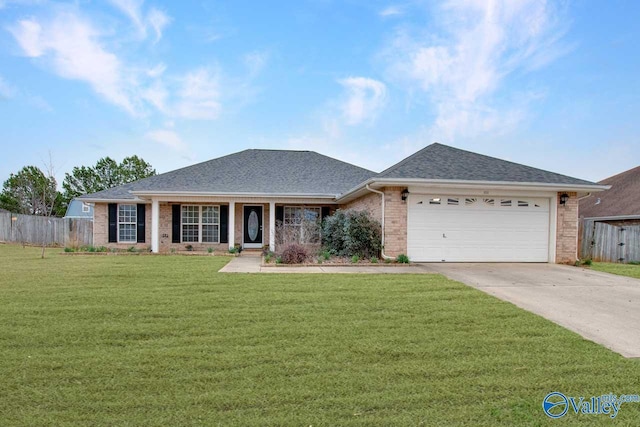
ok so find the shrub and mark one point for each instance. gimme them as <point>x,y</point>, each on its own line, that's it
<point>374,260</point>
<point>68,249</point>
<point>294,253</point>
<point>588,262</point>
<point>234,250</point>
<point>101,249</point>
<point>348,233</point>
<point>278,260</point>
<point>355,259</point>
<point>131,249</point>
<point>210,250</point>
<point>268,256</point>
<point>325,255</point>
<point>91,249</point>
<point>402,259</point>
<point>189,248</point>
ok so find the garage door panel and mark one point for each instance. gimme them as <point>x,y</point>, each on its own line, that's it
<point>502,229</point>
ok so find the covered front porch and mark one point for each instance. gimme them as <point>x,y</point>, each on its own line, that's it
<point>200,223</point>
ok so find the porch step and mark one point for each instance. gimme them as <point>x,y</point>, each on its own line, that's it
<point>251,252</point>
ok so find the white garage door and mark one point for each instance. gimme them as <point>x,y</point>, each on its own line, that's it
<point>477,229</point>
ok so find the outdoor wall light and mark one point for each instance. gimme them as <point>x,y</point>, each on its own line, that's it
<point>405,194</point>
<point>563,198</point>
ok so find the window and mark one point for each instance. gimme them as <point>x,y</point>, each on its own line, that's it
<point>200,224</point>
<point>127,216</point>
<point>85,207</point>
<point>434,201</point>
<point>523,204</point>
<point>452,202</point>
<point>469,201</point>
<point>302,223</point>
<point>505,202</point>
<point>489,202</point>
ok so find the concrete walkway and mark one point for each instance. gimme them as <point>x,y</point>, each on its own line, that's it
<point>252,264</point>
<point>601,307</point>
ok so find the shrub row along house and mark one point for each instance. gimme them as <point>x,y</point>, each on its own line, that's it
<point>439,204</point>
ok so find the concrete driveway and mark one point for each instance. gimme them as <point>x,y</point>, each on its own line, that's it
<point>601,307</point>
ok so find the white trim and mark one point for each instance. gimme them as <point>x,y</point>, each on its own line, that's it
<point>452,183</point>
<point>553,227</point>
<point>272,226</point>
<point>200,224</point>
<point>231,225</point>
<point>155,226</point>
<point>135,223</point>
<point>253,245</point>
<point>224,194</point>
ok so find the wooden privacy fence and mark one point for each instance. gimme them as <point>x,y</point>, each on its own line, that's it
<point>609,243</point>
<point>34,229</point>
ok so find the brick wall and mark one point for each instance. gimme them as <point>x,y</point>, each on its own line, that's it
<point>395,217</point>
<point>370,202</point>
<point>101,228</point>
<point>567,230</point>
<point>395,222</point>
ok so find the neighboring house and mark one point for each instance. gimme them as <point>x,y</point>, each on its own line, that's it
<point>619,205</point>
<point>440,204</point>
<point>79,209</point>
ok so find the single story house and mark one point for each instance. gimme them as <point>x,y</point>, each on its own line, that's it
<point>619,205</point>
<point>79,209</point>
<point>439,204</point>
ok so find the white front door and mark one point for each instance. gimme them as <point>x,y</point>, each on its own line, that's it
<point>444,228</point>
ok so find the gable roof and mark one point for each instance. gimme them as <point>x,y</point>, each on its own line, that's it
<point>282,172</point>
<point>441,162</point>
<point>622,199</point>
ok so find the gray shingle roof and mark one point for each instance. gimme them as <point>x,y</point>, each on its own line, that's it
<point>437,161</point>
<point>253,171</point>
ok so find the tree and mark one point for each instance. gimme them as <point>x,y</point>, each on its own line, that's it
<point>31,192</point>
<point>107,173</point>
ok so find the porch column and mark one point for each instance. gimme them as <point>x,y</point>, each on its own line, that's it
<point>232,224</point>
<point>272,226</point>
<point>155,226</point>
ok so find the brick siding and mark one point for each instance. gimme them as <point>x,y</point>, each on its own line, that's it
<point>567,230</point>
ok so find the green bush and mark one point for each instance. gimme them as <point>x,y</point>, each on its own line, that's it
<point>325,255</point>
<point>101,249</point>
<point>374,260</point>
<point>210,250</point>
<point>349,233</point>
<point>68,249</point>
<point>402,259</point>
<point>355,259</point>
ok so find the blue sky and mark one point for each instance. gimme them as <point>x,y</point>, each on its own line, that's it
<point>550,84</point>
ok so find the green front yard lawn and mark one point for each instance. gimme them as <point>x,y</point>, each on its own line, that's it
<point>168,341</point>
<point>630,270</point>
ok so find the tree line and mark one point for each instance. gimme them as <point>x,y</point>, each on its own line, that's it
<point>33,191</point>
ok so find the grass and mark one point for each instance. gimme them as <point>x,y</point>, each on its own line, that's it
<point>162,341</point>
<point>631,270</point>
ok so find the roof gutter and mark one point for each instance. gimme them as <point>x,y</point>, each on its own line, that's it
<point>231,194</point>
<point>381,219</point>
<point>469,183</point>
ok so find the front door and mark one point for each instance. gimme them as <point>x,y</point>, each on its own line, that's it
<point>252,235</point>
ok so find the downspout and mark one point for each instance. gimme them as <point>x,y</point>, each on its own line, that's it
<point>381,220</point>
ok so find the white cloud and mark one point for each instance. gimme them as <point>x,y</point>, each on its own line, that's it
<point>70,44</point>
<point>168,138</point>
<point>364,99</point>
<point>391,11</point>
<point>465,62</point>
<point>155,18</point>
<point>198,97</point>
<point>255,62</point>
<point>6,89</point>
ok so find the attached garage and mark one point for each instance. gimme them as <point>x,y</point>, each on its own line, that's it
<point>442,228</point>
